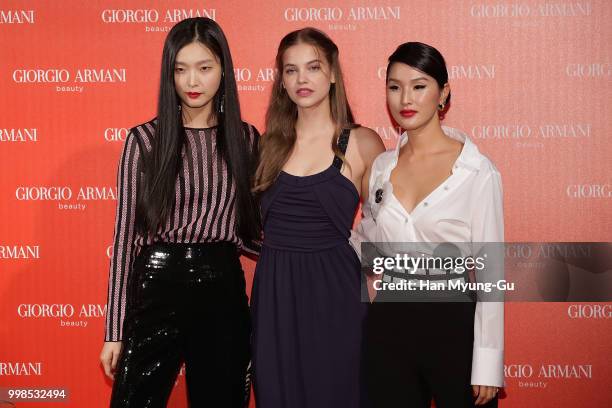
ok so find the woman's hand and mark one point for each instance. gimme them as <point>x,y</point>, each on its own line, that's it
<point>484,393</point>
<point>109,357</point>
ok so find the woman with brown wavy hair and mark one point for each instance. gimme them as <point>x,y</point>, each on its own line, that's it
<point>315,161</point>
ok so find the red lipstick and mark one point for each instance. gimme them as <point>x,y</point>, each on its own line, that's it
<point>407,113</point>
<point>194,95</point>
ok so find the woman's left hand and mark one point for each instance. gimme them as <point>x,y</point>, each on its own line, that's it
<point>484,393</point>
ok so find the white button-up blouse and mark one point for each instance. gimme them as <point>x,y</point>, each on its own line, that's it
<point>466,207</point>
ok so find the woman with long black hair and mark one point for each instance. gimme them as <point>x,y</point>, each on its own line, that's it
<point>176,288</point>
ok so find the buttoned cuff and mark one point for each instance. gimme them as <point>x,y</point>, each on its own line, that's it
<point>488,367</point>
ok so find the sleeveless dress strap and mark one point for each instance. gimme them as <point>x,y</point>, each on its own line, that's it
<point>342,144</point>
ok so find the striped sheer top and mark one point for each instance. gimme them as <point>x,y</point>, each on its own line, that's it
<point>204,209</point>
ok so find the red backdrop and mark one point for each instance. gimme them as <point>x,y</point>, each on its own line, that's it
<point>530,83</point>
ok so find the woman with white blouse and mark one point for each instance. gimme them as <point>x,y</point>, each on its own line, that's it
<point>435,186</point>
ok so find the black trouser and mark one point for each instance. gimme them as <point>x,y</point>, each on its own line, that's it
<point>186,302</point>
<point>416,352</point>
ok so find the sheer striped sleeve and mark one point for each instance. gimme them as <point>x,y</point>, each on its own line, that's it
<point>124,247</point>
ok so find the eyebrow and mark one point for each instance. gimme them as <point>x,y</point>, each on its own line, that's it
<point>412,80</point>
<point>309,62</point>
<point>196,63</point>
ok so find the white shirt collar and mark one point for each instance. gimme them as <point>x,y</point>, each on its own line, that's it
<point>469,158</point>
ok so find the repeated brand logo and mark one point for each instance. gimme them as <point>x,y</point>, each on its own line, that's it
<point>68,314</point>
<point>544,9</point>
<point>19,252</point>
<point>388,132</point>
<point>64,195</point>
<point>342,18</point>
<point>20,368</point>
<point>480,71</point>
<point>116,134</point>
<point>154,20</point>
<point>603,190</point>
<point>19,135</point>
<point>524,135</point>
<point>564,130</point>
<point>458,72</point>
<point>510,131</point>
<point>540,376</point>
<point>313,14</point>
<point>589,311</point>
<point>581,371</point>
<point>51,193</point>
<point>546,250</point>
<point>17,16</point>
<point>249,80</point>
<point>66,80</point>
<point>590,70</point>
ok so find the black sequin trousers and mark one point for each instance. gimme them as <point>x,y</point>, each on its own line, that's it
<point>186,303</point>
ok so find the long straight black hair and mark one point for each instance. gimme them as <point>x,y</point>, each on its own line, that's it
<point>163,162</point>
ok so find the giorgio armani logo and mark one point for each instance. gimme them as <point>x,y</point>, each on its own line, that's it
<point>15,368</point>
<point>564,130</point>
<point>47,193</point>
<point>342,18</point>
<point>578,371</point>
<point>66,197</point>
<point>590,70</point>
<point>522,131</point>
<point>17,16</point>
<point>511,131</point>
<point>548,371</point>
<point>525,135</point>
<point>116,134</point>
<point>68,314</point>
<point>45,310</point>
<point>19,135</point>
<point>458,72</point>
<point>543,9</point>
<point>248,79</point>
<point>313,14</point>
<point>589,311</point>
<point>476,71</point>
<point>83,75</point>
<point>603,190</point>
<point>387,132</point>
<point>130,16</point>
<point>19,252</point>
<point>530,376</point>
<point>66,80</point>
<point>155,20</point>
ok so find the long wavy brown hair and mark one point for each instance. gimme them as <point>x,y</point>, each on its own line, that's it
<point>277,142</point>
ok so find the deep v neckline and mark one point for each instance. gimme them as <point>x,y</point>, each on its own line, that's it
<point>422,201</point>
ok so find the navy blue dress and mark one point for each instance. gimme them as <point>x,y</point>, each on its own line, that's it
<point>306,307</point>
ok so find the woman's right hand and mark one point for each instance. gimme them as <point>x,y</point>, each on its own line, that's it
<point>109,357</point>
